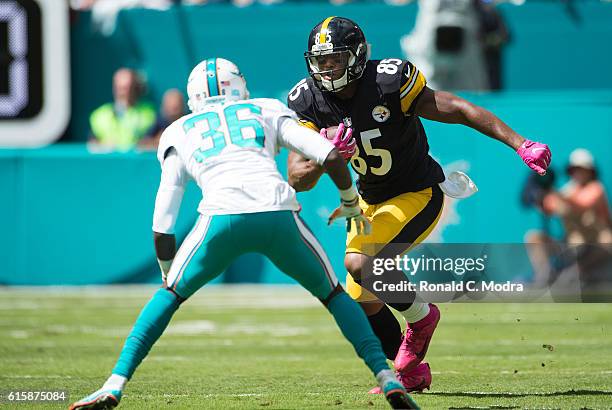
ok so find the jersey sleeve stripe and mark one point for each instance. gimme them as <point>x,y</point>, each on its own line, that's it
<point>413,78</point>
<point>412,71</point>
<point>415,90</point>
<point>309,124</point>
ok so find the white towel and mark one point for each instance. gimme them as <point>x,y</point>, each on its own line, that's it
<point>458,185</point>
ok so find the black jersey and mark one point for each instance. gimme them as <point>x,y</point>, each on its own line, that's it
<point>393,153</point>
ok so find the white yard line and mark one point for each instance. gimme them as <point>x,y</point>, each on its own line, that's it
<point>260,296</point>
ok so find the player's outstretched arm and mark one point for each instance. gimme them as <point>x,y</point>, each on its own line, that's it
<point>446,107</point>
<point>325,156</point>
<point>335,166</point>
<point>311,156</point>
<point>303,174</point>
<point>303,171</point>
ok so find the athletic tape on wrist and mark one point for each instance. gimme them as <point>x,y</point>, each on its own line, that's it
<point>349,195</point>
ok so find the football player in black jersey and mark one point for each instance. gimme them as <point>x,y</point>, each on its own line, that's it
<point>382,101</point>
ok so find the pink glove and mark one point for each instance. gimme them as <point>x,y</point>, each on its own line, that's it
<point>343,140</point>
<point>536,155</point>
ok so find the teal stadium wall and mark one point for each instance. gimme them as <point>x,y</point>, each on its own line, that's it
<point>72,217</point>
<point>551,48</point>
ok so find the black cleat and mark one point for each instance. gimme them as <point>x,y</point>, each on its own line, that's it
<point>401,400</point>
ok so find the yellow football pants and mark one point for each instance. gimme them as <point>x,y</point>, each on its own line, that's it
<point>406,219</point>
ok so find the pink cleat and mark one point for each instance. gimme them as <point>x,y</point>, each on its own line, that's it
<point>415,380</point>
<point>416,341</point>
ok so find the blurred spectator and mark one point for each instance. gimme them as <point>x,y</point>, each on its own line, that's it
<point>81,4</point>
<point>398,2</point>
<point>172,108</point>
<point>583,207</point>
<point>535,189</point>
<point>582,203</point>
<point>104,12</point>
<point>121,124</point>
<point>494,36</point>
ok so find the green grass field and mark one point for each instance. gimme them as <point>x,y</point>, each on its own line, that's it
<point>275,347</point>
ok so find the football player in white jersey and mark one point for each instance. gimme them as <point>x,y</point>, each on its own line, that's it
<point>227,145</point>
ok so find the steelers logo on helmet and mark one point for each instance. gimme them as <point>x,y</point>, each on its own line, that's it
<point>337,53</point>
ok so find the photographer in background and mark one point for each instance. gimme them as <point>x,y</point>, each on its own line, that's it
<point>494,36</point>
<point>584,210</point>
<point>535,189</point>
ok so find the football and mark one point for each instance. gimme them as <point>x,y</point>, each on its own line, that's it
<point>331,132</point>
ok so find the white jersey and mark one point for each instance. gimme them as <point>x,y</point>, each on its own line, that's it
<point>229,149</point>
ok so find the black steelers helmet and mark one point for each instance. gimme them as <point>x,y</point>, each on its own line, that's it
<point>337,49</point>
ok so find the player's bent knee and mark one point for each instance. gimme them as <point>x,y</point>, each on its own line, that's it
<point>371,307</point>
<point>178,297</point>
<point>354,262</point>
<point>357,292</point>
<point>335,292</point>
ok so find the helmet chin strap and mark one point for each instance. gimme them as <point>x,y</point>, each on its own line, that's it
<point>336,85</point>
